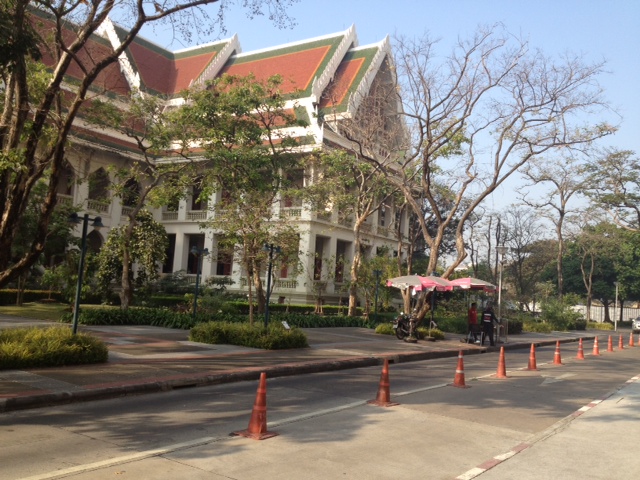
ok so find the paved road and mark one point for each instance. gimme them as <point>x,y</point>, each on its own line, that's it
<point>557,422</point>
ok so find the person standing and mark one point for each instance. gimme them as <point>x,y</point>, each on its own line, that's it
<point>488,319</point>
<point>473,321</point>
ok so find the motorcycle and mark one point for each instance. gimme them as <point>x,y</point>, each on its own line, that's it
<point>404,325</point>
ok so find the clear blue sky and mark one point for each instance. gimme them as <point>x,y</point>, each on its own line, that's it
<point>599,29</point>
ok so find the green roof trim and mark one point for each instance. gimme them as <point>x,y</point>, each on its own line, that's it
<point>368,55</point>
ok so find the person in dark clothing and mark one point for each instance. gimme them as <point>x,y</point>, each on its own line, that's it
<point>488,319</point>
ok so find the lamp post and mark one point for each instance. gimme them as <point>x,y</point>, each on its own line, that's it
<point>271,248</point>
<point>377,273</point>
<point>501,250</point>
<point>615,309</point>
<point>199,253</point>
<point>96,224</point>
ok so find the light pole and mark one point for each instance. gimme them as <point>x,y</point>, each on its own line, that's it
<point>271,248</point>
<point>97,225</point>
<point>615,309</point>
<point>377,273</point>
<point>501,250</point>
<point>199,253</point>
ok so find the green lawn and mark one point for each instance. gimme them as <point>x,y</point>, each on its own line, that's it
<point>39,311</point>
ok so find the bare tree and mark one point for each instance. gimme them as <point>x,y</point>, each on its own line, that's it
<point>476,116</point>
<point>40,107</point>
<point>615,186</point>
<point>567,177</point>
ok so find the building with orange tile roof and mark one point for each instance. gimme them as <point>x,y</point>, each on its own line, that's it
<point>325,80</point>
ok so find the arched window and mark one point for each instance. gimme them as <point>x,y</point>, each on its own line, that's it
<point>130,193</point>
<point>66,182</point>
<point>99,185</point>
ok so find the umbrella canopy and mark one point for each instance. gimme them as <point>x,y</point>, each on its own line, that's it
<point>471,283</point>
<point>420,283</point>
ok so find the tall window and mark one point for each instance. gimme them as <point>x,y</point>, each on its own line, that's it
<point>167,267</point>
<point>193,261</point>
<point>224,263</point>
<point>99,185</point>
<point>196,202</point>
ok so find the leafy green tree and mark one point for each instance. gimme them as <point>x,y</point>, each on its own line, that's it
<point>355,189</point>
<point>143,181</point>
<point>242,126</point>
<point>39,107</point>
<point>146,245</point>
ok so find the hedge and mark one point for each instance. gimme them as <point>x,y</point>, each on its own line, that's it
<point>9,296</point>
<point>171,319</point>
<point>48,347</point>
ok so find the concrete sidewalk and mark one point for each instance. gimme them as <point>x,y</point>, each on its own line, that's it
<point>145,359</point>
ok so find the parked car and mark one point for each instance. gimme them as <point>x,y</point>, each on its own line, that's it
<point>635,325</point>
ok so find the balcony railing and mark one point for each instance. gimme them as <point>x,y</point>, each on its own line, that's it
<point>291,212</point>
<point>65,199</point>
<point>323,215</point>
<point>99,206</point>
<point>197,215</point>
<point>169,216</point>
<point>280,284</point>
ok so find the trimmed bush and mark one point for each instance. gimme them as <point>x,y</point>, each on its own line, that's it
<point>600,326</point>
<point>423,332</point>
<point>453,324</point>
<point>276,337</point>
<point>48,347</point>
<point>385,329</point>
<point>537,327</point>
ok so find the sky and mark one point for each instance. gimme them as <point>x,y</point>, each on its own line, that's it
<point>598,29</point>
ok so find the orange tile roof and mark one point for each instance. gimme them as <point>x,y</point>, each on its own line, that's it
<point>344,78</point>
<point>162,72</point>
<point>296,68</point>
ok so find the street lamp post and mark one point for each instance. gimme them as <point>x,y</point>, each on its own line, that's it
<point>199,253</point>
<point>615,309</point>
<point>96,224</point>
<point>377,273</point>
<point>501,250</point>
<point>271,248</point>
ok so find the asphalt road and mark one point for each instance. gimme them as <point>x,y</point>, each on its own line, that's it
<point>327,431</point>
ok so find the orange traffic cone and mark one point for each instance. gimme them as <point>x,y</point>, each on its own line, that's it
<point>596,349</point>
<point>502,368</point>
<point>610,344</point>
<point>631,344</point>
<point>580,355</point>
<point>458,380</point>
<point>384,395</point>
<point>258,422</point>
<point>532,358</point>
<point>620,344</point>
<point>557,360</point>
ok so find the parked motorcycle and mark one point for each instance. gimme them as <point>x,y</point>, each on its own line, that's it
<point>404,325</point>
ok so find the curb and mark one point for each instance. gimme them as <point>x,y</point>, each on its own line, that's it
<point>246,374</point>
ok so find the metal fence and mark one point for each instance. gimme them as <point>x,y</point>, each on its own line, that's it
<point>597,313</point>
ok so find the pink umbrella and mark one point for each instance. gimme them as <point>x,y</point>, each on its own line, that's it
<point>470,283</point>
<point>420,283</point>
<point>437,283</point>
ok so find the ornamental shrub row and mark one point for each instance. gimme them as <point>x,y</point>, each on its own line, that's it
<point>48,347</point>
<point>600,326</point>
<point>9,296</point>
<point>276,337</point>
<point>171,319</point>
